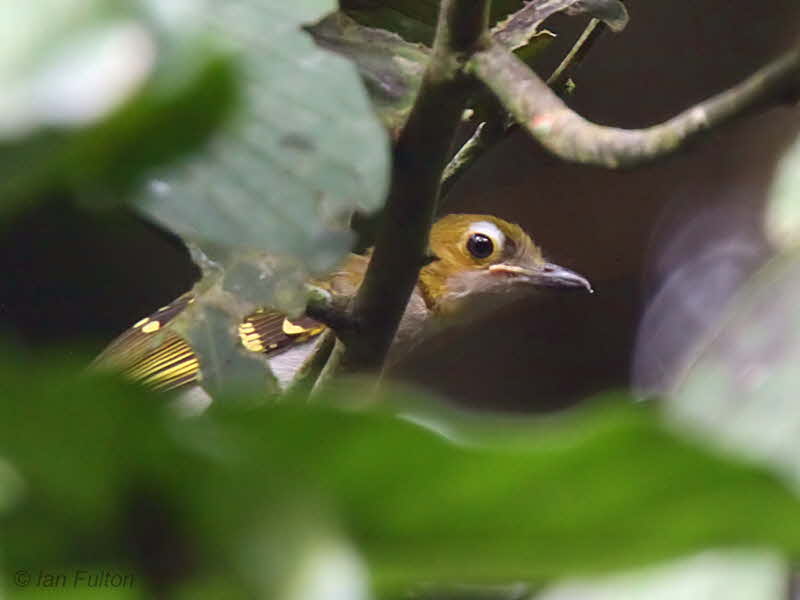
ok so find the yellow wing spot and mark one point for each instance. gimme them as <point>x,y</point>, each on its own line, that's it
<point>151,327</point>
<point>164,378</point>
<point>141,322</point>
<point>290,328</point>
<point>273,346</point>
<point>250,338</point>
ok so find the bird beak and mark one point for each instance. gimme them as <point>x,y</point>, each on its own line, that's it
<point>547,275</point>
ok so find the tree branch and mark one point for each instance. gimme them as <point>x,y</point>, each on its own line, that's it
<point>495,128</point>
<point>569,136</point>
<point>420,156</point>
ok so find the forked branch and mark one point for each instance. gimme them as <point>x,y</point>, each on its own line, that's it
<point>570,137</point>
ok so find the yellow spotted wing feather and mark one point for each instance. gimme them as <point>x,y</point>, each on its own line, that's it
<point>149,352</point>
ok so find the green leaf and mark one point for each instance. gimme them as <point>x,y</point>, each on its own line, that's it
<point>303,151</point>
<point>233,490</point>
<point>97,92</point>
<point>783,213</point>
<point>742,388</point>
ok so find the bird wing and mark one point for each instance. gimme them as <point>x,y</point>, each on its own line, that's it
<point>161,359</point>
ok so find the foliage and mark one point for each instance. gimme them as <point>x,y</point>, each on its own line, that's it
<point>227,124</point>
<point>91,462</point>
<point>97,92</point>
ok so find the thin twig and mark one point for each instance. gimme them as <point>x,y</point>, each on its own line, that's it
<point>496,127</point>
<point>570,137</point>
<point>563,73</point>
<point>485,136</point>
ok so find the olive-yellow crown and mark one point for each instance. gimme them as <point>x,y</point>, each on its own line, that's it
<point>482,254</point>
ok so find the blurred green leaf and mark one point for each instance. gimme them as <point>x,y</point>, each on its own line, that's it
<point>390,67</point>
<point>742,386</point>
<point>783,213</point>
<point>110,475</point>
<point>302,153</point>
<point>96,92</point>
<point>68,63</point>
<point>743,575</point>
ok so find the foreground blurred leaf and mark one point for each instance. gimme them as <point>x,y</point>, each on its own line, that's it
<point>743,385</point>
<point>708,576</point>
<point>96,92</point>
<point>221,300</point>
<point>302,153</point>
<point>108,472</point>
<point>783,214</point>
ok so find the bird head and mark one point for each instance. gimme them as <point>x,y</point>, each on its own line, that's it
<point>483,256</point>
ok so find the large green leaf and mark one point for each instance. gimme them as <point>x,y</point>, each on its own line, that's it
<point>232,492</point>
<point>303,151</point>
<point>96,92</point>
<point>783,211</point>
<point>742,386</point>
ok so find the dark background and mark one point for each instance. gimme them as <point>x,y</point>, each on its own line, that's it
<point>669,241</point>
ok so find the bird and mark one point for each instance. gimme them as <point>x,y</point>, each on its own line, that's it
<point>476,263</point>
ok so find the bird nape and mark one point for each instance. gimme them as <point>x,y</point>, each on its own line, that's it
<point>478,261</point>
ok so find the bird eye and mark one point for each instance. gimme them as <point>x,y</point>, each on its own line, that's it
<point>479,245</point>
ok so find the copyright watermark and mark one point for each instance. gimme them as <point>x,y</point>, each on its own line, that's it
<point>79,578</point>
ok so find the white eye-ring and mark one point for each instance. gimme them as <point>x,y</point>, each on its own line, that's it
<point>483,238</point>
